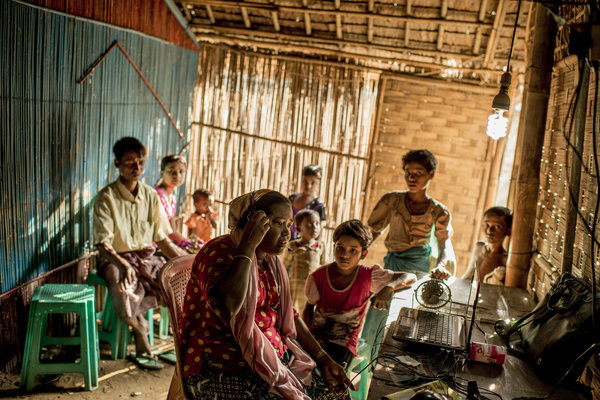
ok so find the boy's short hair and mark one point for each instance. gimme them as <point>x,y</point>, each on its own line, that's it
<point>312,170</point>
<point>356,229</point>
<point>201,192</point>
<point>423,157</point>
<point>166,160</point>
<point>501,212</point>
<point>304,214</point>
<point>126,144</point>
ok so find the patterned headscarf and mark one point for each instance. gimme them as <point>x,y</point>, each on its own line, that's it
<point>239,206</point>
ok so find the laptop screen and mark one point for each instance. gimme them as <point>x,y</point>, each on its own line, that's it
<point>474,281</point>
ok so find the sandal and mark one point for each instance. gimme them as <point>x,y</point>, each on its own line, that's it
<point>146,361</point>
<point>168,356</point>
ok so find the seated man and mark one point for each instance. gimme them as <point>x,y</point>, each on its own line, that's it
<point>128,217</point>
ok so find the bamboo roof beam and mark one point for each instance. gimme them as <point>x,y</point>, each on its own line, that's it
<point>482,10</point>
<point>275,19</point>
<point>440,38</point>
<point>203,28</point>
<point>343,13</point>
<point>370,8</point>
<point>409,7</point>
<point>186,12</point>
<point>307,24</point>
<point>477,42</point>
<point>333,53</point>
<point>244,11</point>
<point>338,21</point>
<point>444,9</point>
<point>407,34</point>
<point>211,16</point>
<point>493,38</point>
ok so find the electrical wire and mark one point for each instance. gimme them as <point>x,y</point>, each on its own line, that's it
<point>595,220</point>
<point>512,42</point>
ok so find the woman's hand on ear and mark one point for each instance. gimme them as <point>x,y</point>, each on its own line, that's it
<point>255,230</point>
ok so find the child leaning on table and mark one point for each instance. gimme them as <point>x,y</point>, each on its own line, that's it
<point>489,254</point>
<point>303,255</point>
<point>338,294</point>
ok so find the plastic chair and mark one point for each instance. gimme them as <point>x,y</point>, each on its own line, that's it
<point>61,299</point>
<point>173,279</point>
<point>114,330</point>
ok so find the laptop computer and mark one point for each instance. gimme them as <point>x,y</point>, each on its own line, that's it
<point>440,329</point>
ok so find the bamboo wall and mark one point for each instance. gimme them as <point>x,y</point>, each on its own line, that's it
<point>556,191</point>
<point>449,119</point>
<point>261,119</point>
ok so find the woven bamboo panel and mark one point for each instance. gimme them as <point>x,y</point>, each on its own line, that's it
<point>588,194</point>
<point>261,119</point>
<point>553,198</point>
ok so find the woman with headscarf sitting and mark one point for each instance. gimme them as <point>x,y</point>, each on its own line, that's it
<point>240,336</point>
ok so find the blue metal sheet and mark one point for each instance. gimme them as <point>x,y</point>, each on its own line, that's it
<point>56,136</point>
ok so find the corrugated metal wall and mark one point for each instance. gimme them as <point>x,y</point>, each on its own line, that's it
<point>56,136</point>
<point>149,16</point>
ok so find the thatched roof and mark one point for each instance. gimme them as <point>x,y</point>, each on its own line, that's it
<point>468,39</point>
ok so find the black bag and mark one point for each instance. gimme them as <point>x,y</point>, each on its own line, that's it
<point>556,332</point>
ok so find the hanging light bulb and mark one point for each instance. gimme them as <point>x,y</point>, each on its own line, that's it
<point>497,122</point>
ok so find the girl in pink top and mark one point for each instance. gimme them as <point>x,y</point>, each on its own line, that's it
<point>172,175</point>
<point>338,294</point>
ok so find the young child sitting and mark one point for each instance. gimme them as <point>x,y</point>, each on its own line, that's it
<point>307,198</point>
<point>203,220</point>
<point>304,255</point>
<point>338,294</point>
<point>489,254</point>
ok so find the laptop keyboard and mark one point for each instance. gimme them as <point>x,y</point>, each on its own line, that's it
<point>435,328</point>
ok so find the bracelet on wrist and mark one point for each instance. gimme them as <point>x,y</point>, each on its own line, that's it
<point>243,256</point>
<point>320,355</point>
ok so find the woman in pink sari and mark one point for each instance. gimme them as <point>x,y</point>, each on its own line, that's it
<point>240,336</point>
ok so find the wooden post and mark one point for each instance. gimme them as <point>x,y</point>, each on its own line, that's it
<point>531,128</point>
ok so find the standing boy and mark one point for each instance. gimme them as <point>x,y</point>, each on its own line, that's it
<point>128,217</point>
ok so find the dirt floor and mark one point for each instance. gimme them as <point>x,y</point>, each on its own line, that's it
<point>118,379</point>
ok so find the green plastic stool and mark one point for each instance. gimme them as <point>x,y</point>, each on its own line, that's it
<point>359,364</point>
<point>61,299</point>
<point>114,330</point>
<point>163,327</point>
